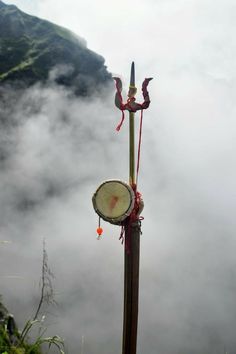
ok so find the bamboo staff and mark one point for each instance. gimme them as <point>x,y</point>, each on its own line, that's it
<point>131,259</point>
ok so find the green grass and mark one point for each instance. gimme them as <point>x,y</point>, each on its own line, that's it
<point>6,347</point>
<point>18,343</point>
<point>19,67</point>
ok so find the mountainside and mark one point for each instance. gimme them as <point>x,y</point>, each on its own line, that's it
<point>32,48</point>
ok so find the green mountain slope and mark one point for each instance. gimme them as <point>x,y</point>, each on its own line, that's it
<point>31,47</point>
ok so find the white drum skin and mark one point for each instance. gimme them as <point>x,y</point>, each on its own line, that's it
<point>114,201</point>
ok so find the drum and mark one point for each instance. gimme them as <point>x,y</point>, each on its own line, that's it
<point>113,201</point>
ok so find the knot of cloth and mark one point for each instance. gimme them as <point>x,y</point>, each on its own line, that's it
<point>131,105</point>
<point>133,220</point>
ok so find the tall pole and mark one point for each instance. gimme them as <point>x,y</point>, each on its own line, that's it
<point>132,91</point>
<point>131,258</point>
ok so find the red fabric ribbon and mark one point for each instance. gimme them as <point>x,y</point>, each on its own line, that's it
<point>130,105</point>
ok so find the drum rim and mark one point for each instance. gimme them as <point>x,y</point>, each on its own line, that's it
<point>119,219</point>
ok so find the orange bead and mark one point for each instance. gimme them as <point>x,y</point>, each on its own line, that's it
<point>99,231</point>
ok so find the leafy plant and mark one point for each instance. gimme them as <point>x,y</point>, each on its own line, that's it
<point>16,342</point>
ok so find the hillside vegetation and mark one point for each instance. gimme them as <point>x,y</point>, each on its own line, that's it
<point>30,48</point>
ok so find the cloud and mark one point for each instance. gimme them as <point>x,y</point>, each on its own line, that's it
<point>58,149</point>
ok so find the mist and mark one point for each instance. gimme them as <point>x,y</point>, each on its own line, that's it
<point>56,149</point>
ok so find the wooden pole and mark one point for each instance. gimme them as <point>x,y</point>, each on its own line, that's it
<point>131,258</point>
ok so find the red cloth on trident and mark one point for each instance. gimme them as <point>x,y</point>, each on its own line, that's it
<point>130,105</point>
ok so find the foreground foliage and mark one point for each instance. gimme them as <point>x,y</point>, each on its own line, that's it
<point>12,341</point>
<point>22,347</point>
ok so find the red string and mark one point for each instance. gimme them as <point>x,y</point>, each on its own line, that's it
<point>121,122</point>
<point>139,145</point>
<point>125,234</point>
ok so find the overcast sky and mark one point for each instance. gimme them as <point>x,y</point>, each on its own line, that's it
<point>158,34</point>
<point>188,173</point>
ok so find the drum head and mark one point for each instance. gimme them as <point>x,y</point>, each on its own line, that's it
<point>114,201</point>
